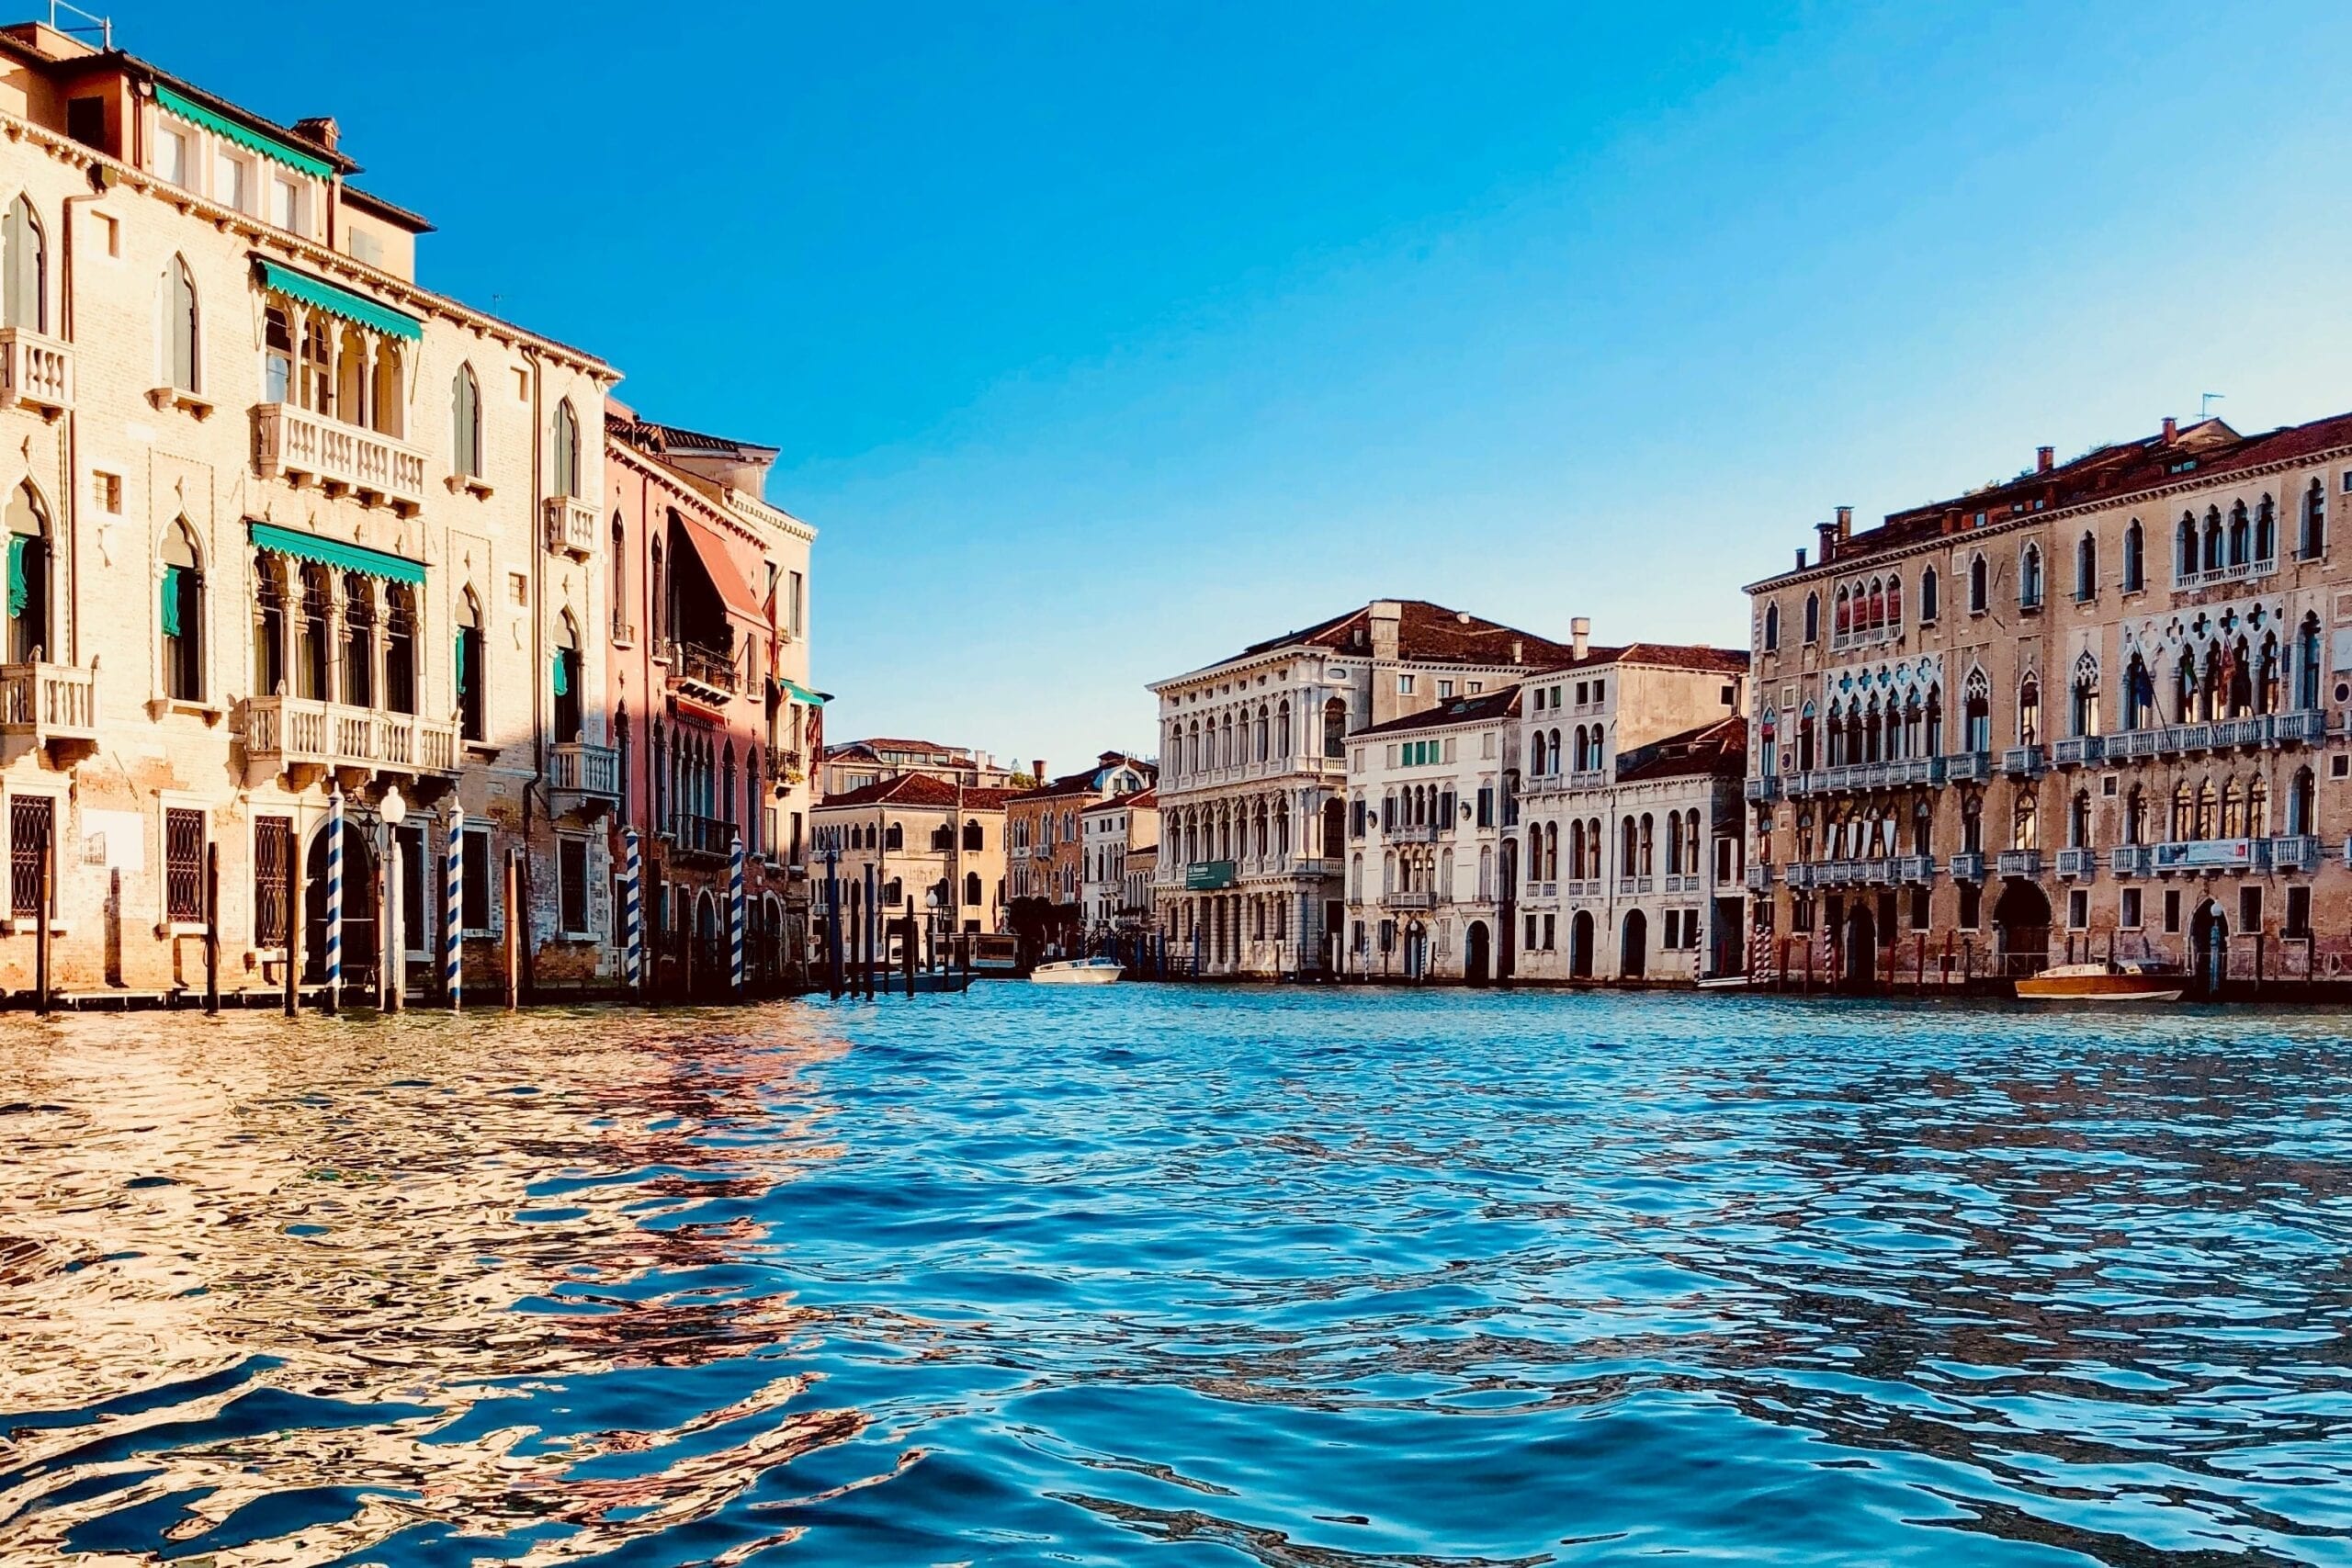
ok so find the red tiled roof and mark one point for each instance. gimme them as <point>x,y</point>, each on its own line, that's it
<point>1662,655</point>
<point>919,789</point>
<point>959,753</point>
<point>1118,802</point>
<point>1428,634</point>
<point>1719,748</point>
<point>1459,710</point>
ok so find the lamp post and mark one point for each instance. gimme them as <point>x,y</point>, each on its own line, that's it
<point>393,945</point>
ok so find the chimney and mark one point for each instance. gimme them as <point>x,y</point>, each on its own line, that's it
<point>1518,651</point>
<point>2044,459</point>
<point>1384,614</point>
<point>1038,769</point>
<point>1579,636</point>
<point>1800,558</point>
<point>2172,430</point>
<point>1845,523</point>
<point>320,129</point>
<point>1828,532</point>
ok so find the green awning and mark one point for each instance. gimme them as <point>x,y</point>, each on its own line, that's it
<point>794,689</point>
<point>333,552</point>
<point>341,302</point>
<point>221,125</point>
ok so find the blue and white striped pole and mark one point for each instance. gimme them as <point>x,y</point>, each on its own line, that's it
<point>334,902</point>
<point>632,911</point>
<point>453,915</point>
<point>735,916</point>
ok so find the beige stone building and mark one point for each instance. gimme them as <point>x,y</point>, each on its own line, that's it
<point>854,764</point>
<point>2096,708</point>
<point>1253,788</point>
<point>283,523</point>
<point>937,844</point>
<point>1116,837</point>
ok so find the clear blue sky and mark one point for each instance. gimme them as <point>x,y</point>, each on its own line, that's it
<point>1103,339</point>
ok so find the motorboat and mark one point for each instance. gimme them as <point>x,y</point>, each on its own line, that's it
<point>2115,981</point>
<point>1078,971</point>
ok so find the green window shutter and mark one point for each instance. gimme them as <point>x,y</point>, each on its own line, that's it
<point>170,607</point>
<point>19,591</point>
<point>460,665</point>
<point>562,676</point>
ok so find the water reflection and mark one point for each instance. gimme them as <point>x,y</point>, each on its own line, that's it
<point>1194,1275</point>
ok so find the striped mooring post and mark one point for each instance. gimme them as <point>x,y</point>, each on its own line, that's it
<point>632,912</point>
<point>735,916</point>
<point>334,902</point>
<point>453,915</point>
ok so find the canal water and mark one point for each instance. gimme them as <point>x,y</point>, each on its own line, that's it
<point>1184,1276</point>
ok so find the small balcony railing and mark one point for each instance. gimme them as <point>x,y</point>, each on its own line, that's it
<point>2023,762</point>
<point>339,457</point>
<point>1968,866</point>
<point>2075,751</point>
<point>1968,767</point>
<point>1589,778</point>
<point>1410,833</point>
<point>1759,878</point>
<point>2305,726</point>
<point>693,834</point>
<point>584,769</point>
<point>1764,788</point>
<point>2130,860</point>
<point>784,765</point>
<point>1421,899</point>
<point>572,526</point>
<point>2019,862</point>
<point>49,702</point>
<point>2078,864</point>
<point>2248,732</point>
<point>704,671</point>
<point>36,372</point>
<point>285,731</point>
<point>2295,852</point>
<point>1915,868</point>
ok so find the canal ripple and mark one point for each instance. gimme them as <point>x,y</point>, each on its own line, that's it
<point>1179,1276</point>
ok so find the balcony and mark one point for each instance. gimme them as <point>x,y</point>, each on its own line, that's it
<point>2078,865</point>
<point>1411,833</point>
<point>2308,726</point>
<point>1968,866</point>
<point>1759,878</point>
<point>2130,860</point>
<point>36,372</point>
<point>2075,751</point>
<point>1589,778</point>
<point>704,674</point>
<point>706,836</point>
<point>588,773</point>
<point>2212,854</point>
<point>340,458</point>
<point>1764,788</point>
<point>2023,762</point>
<point>2019,862</point>
<point>2295,852</point>
<point>1421,899</point>
<point>784,766</point>
<point>284,732</point>
<point>1915,868</point>
<point>571,528</point>
<point>1629,886</point>
<point>1968,767</point>
<point>2248,732</point>
<point>53,704</point>
<point>2212,575</point>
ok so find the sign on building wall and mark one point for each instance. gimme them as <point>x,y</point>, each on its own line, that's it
<point>1203,877</point>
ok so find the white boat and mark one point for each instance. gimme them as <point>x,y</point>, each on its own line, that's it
<point>1078,971</point>
<point>2118,982</point>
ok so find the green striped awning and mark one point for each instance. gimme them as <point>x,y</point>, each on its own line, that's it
<point>335,552</point>
<point>337,301</point>
<point>243,136</point>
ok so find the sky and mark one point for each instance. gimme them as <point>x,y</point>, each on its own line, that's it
<point>1101,340</point>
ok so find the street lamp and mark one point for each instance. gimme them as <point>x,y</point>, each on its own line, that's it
<point>392,943</point>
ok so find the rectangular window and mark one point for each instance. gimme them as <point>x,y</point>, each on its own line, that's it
<point>1404,685</point>
<point>1486,805</point>
<point>475,901</point>
<point>1550,931</point>
<point>172,156</point>
<point>2078,909</point>
<point>572,885</point>
<point>1445,688</point>
<point>795,607</point>
<point>2298,912</point>
<point>2249,908</point>
<point>1800,913</point>
<point>1530,933</point>
<point>32,844</point>
<point>286,204</point>
<point>1971,905</point>
<point>1921,901</point>
<point>273,858</point>
<point>2130,921</point>
<point>1477,686</point>
<point>2172,911</point>
<point>231,177</point>
<point>184,866</point>
<point>1582,687</point>
<point>110,234</point>
<point>107,490</point>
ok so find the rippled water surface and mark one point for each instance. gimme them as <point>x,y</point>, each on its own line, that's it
<point>1182,1276</point>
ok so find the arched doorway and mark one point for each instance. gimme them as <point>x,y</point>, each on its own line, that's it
<point>1477,956</point>
<point>2209,948</point>
<point>1417,950</point>
<point>710,963</point>
<point>1861,948</point>
<point>359,955</point>
<point>1580,945</point>
<point>1634,947</point>
<point>2021,928</point>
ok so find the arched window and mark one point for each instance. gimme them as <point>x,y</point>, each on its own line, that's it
<point>971,890</point>
<point>2307,663</point>
<point>2184,813</point>
<point>181,609</point>
<point>2265,530</point>
<point>1842,624</point>
<point>351,385</point>
<point>1282,729</point>
<point>2239,537</point>
<point>388,398</point>
<point>1771,629</point>
<point>1674,843</point>
<point>1649,845</point>
<point>2139,694</point>
<point>1629,849</point>
<point>2301,794</point>
<point>565,477</point>
<point>2030,577</point>
<point>29,575</point>
<point>2210,556</point>
<point>2029,711</point>
<point>178,339</point>
<point>2184,566</point>
<point>2257,809</point>
<point>2082,715</point>
<point>399,648</point>
<point>2025,831</point>
<point>1977,716</point>
<point>2135,816</point>
<point>314,388</point>
<point>1979,586</point>
<point>2233,811</point>
<point>1335,727</point>
<point>2314,526</point>
<point>358,640</point>
<point>2086,568</point>
<point>23,269</point>
<point>468,676</point>
<point>1813,618</point>
<point>2206,813</point>
<point>465,424</point>
<point>564,678</point>
<point>1929,608</point>
<point>894,837</point>
<point>314,655</point>
<point>1894,605</point>
<point>2079,822</point>
<point>972,835</point>
<point>1265,732</point>
<point>2135,558</point>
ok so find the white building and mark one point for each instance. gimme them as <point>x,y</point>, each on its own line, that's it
<point>1111,832</point>
<point>1252,787</point>
<point>1429,809</point>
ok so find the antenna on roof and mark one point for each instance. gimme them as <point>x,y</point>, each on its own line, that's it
<point>2205,406</point>
<point>102,26</point>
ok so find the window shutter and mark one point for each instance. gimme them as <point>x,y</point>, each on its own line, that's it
<point>170,607</point>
